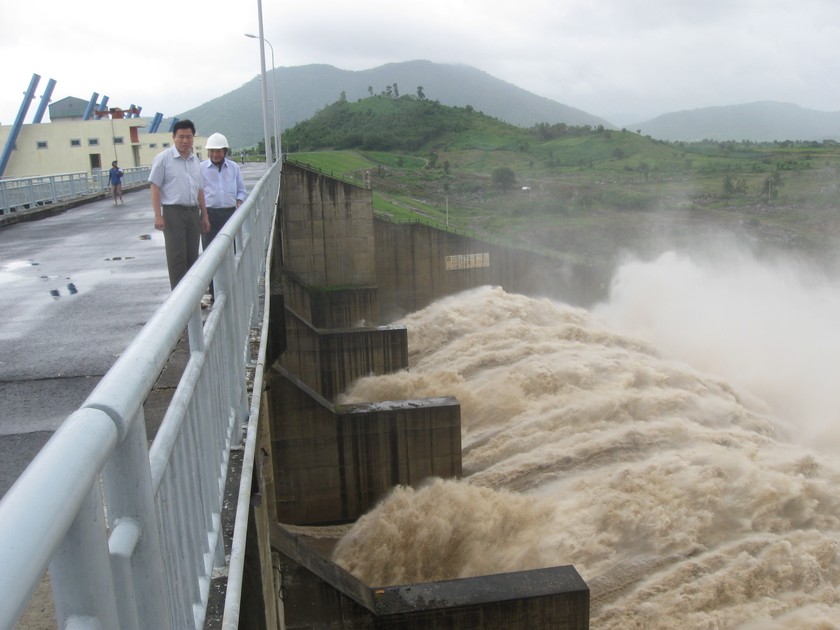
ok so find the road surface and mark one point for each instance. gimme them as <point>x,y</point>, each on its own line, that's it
<point>75,289</point>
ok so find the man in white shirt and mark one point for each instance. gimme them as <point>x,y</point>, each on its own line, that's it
<point>178,200</point>
<point>224,188</point>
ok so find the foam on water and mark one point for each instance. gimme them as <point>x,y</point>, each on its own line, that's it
<point>675,444</point>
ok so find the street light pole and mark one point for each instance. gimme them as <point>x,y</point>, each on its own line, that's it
<point>264,89</point>
<point>277,151</point>
<point>274,103</point>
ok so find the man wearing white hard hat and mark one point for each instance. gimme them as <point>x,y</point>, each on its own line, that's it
<point>224,188</point>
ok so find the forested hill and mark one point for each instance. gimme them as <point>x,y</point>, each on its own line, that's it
<point>382,123</point>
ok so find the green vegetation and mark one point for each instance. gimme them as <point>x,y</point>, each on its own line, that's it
<point>583,192</point>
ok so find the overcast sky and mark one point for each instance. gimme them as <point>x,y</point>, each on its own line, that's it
<point>624,60</point>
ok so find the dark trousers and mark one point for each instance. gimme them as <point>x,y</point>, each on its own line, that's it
<point>181,231</point>
<point>218,217</point>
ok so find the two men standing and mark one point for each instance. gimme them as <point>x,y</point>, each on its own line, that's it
<point>192,199</point>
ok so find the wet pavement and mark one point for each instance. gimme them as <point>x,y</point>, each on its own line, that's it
<point>75,288</point>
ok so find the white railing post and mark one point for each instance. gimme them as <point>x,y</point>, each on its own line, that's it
<point>234,321</point>
<point>55,495</point>
<point>129,495</point>
<point>84,551</point>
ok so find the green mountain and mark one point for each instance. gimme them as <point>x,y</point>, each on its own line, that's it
<point>408,123</point>
<point>303,90</point>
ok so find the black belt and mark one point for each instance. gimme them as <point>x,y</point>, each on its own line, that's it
<point>228,208</point>
<point>177,206</point>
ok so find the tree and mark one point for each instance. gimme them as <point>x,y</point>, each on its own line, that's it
<point>396,91</point>
<point>420,94</point>
<point>504,177</point>
<point>728,185</point>
<point>370,90</point>
<point>772,185</point>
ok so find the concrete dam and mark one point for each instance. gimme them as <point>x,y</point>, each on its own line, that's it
<point>339,277</point>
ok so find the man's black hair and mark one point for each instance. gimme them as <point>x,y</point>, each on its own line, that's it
<point>183,124</point>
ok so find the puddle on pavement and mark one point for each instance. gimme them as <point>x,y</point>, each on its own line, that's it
<point>80,283</point>
<point>19,264</point>
<point>69,289</point>
<point>7,270</point>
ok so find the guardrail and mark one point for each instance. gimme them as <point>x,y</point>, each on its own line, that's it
<point>24,193</point>
<point>132,533</point>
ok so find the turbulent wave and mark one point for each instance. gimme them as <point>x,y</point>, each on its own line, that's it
<point>664,469</point>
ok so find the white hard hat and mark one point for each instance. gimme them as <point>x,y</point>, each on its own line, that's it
<point>217,141</point>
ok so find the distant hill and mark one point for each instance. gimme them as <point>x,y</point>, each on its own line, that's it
<point>761,121</point>
<point>304,90</point>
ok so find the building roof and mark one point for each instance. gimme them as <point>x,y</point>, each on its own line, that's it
<point>68,107</point>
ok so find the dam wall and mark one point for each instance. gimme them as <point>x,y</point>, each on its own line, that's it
<point>340,278</point>
<point>418,263</point>
<point>333,463</point>
<point>326,596</point>
<point>327,236</point>
<point>328,360</point>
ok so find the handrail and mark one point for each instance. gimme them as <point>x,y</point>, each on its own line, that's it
<point>23,193</point>
<point>132,534</point>
<point>236,564</point>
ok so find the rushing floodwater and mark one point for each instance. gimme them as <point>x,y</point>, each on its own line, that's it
<point>678,444</point>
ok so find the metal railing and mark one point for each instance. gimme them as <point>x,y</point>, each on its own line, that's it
<point>130,533</point>
<point>24,193</point>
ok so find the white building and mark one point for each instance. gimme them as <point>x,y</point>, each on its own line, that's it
<point>70,144</point>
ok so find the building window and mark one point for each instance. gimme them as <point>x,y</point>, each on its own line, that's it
<point>165,145</point>
<point>75,142</point>
<point>153,145</point>
<point>93,142</point>
<point>41,144</point>
<point>118,140</point>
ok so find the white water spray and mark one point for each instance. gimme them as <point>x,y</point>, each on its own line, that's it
<point>675,444</point>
